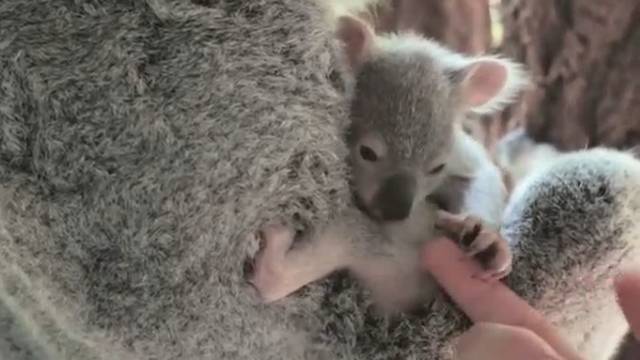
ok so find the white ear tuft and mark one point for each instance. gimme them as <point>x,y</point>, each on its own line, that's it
<point>410,42</point>
<point>498,80</point>
<point>339,8</point>
<point>357,39</point>
<point>491,83</point>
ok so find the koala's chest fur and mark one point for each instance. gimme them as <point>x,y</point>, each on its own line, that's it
<point>411,233</point>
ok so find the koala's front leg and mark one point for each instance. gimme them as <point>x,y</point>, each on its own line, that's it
<point>479,241</point>
<point>282,267</point>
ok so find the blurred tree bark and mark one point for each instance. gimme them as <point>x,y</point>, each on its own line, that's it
<point>464,25</point>
<point>584,57</point>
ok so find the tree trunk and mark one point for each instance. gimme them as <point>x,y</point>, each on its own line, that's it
<point>584,57</point>
<point>463,25</point>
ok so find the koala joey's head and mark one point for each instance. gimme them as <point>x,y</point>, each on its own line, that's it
<point>408,94</point>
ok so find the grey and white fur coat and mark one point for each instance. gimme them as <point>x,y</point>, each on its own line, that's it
<point>143,142</point>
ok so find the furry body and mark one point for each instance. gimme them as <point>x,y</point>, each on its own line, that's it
<point>406,152</point>
<point>139,142</point>
<point>586,201</point>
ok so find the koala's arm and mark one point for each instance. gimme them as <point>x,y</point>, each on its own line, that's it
<point>572,224</point>
<point>284,266</point>
<point>475,185</point>
<point>385,261</point>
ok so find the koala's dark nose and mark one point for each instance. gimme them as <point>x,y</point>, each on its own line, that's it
<point>395,197</point>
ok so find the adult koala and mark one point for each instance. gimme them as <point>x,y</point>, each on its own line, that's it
<point>142,141</point>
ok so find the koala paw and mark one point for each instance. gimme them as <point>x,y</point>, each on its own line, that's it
<point>269,270</point>
<point>480,242</point>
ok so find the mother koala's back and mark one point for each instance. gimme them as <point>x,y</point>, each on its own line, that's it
<point>142,143</point>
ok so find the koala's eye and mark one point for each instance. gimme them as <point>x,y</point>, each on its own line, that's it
<point>436,169</point>
<point>368,154</point>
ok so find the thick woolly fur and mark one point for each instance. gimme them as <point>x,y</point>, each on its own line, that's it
<point>142,144</point>
<point>408,42</point>
<point>573,223</point>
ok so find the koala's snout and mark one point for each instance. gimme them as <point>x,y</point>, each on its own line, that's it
<point>395,197</point>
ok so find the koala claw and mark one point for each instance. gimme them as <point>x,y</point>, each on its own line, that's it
<point>480,242</point>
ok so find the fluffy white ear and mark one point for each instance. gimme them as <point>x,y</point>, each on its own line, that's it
<point>357,39</point>
<point>488,84</point>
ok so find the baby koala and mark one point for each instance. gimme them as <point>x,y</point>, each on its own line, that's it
<point>413,169</point>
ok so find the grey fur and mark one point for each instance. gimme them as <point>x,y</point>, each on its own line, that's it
<point>410,97</point>
<point>119,188</point>
<point>572,224</point>
<point>406,97</point>
<point>409,105</point>
<point>405,112</point>
<point>141,143</point>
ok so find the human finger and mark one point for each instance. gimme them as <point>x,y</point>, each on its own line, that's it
<point>627,287</point>
<point>486,301</point>
<point>485,340</point>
